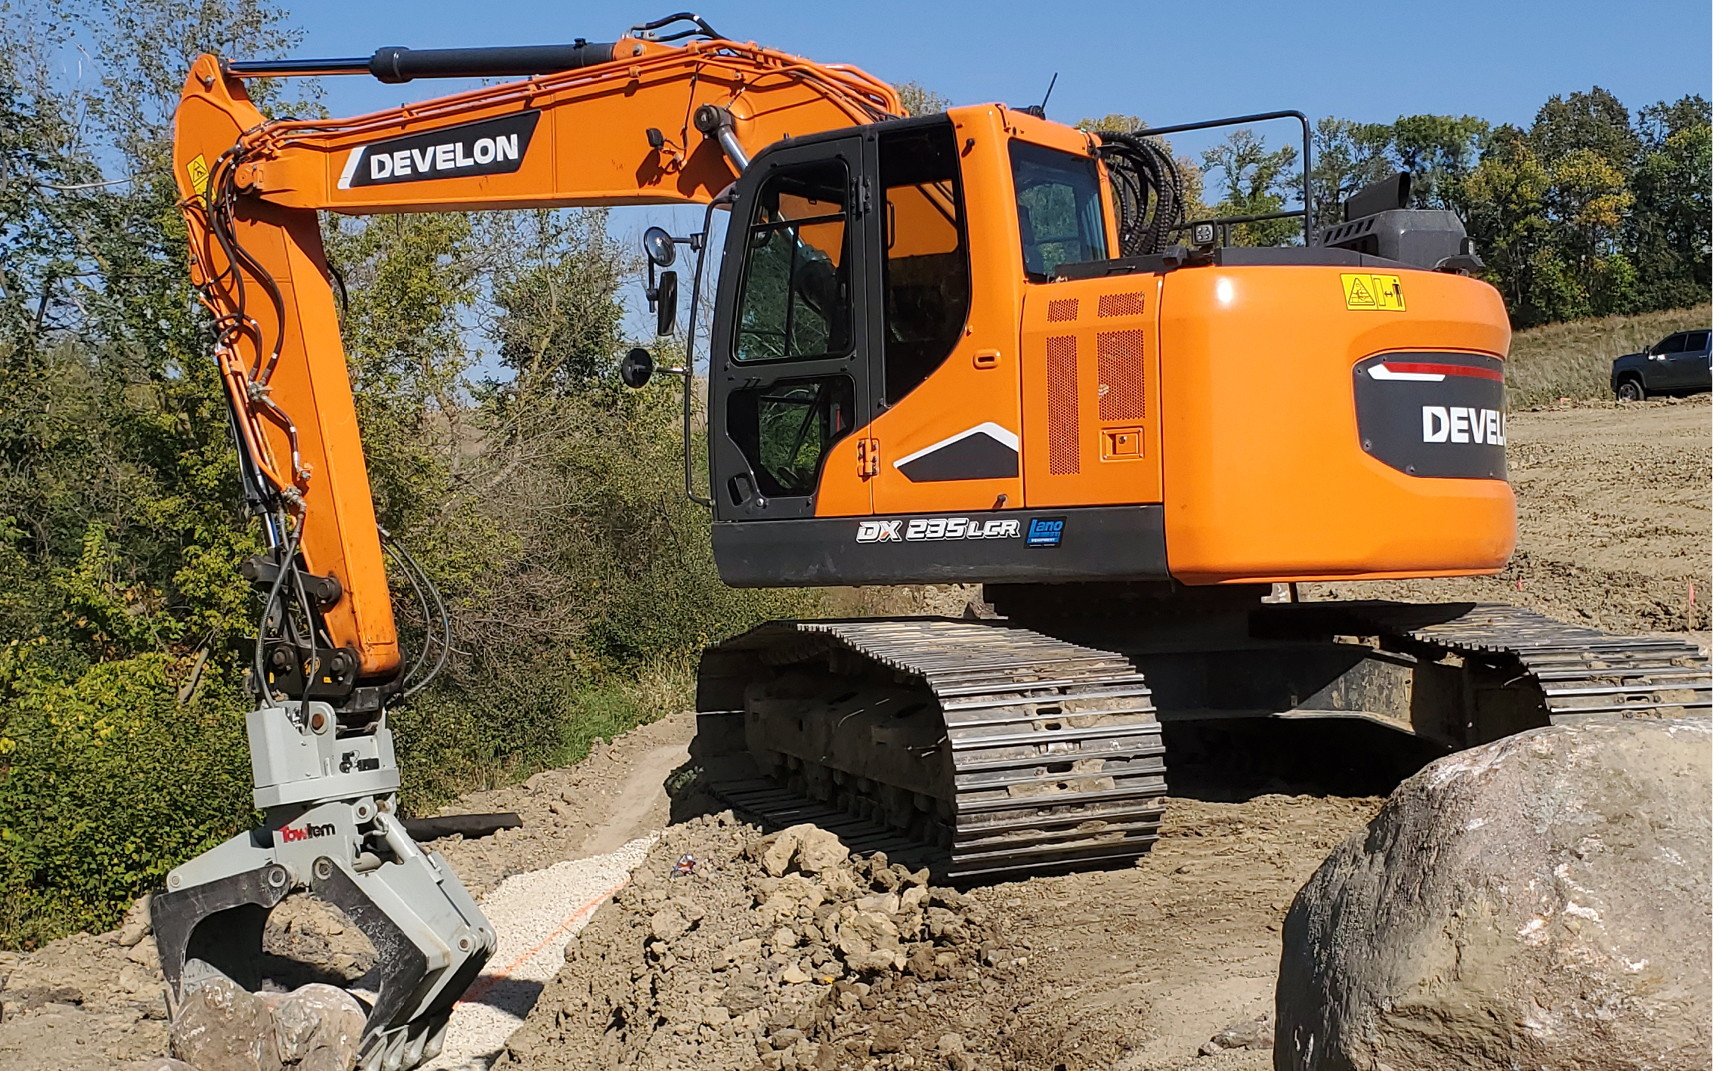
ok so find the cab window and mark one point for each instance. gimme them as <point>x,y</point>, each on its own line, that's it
<point>926,273</point>
<point>786,430</point>
<point>796,297</point>
<point>1058,209</point>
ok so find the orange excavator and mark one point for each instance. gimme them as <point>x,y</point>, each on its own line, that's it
<point>970,347</point>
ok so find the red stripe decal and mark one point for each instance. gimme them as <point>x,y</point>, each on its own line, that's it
<point>1425,368</point>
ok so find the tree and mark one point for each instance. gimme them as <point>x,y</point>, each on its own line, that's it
<point>1347,157</point>
<point>1507,196</point>
<point>1594,120</point>
<point>1668,226</point>
<point>1439,152</point>
<point>1256,182</point>
<point>918,99</point>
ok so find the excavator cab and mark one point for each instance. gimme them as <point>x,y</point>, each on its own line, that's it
<point>931,363</point>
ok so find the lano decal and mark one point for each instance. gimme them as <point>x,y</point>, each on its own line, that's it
<point>486,147</point>
<point>1045,531</point>
<point>920,528</point>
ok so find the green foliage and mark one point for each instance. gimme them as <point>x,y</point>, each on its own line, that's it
<point>1256,183</point>
<point>1585,213</point>
<point>109,782</point>
<point>918,99</point>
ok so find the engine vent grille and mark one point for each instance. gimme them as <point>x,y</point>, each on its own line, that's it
<point>1121,304</point>
<point>1063,310</point>
<point>1122,396</point>
<point>1063,457</point>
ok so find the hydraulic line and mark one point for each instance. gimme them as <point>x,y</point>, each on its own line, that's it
<point>1148,189</point>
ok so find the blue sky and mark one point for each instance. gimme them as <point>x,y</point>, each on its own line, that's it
<point>1168,64</point>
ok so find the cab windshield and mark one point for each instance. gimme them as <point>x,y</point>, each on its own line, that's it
<point>1058,209</point>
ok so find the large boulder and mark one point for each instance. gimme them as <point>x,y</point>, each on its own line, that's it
<point>1539,902</point>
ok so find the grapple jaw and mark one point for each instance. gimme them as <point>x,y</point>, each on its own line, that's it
<point>430,938</point>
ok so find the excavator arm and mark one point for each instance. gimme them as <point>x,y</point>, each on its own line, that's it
<point>636,121</point>
<point>642,122</point>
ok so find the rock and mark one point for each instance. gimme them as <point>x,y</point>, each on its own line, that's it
<point>318,1026</point>
<point>144,953</point>
<point>159,1063</point>
<point>793,975</point>
<point>880,959</point>
<point>949,1043</point>
<point>220,1026</point>
<point>136,925</point>
<point>887,1038</point>
<point>777,855</point>
<point>1243,1034</point>
<point>785,937</point>
<point>669,923</point>
<point>819,850</point>
<point>1542,901</point>
<point>961,1061</point>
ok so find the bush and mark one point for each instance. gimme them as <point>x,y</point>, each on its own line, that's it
<point>1574,360</point>
<point>109,781</point>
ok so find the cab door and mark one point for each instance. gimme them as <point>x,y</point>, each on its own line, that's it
<point>947,435</point>
<point>788,383</point>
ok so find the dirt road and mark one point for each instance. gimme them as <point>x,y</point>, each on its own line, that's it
<point>1133,969</point>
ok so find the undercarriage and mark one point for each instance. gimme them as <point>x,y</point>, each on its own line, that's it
<point>1035,740</point>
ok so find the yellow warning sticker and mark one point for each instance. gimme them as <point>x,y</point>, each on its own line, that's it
<point>1373,293</point>
<point>197,169</point>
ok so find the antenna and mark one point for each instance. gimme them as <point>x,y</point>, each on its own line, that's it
<point>1039,111</point>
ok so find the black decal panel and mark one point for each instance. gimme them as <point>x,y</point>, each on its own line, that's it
<point>486,147</point>
<point>978,456</point>
<point>1433,414</point>
<point>994,546</point>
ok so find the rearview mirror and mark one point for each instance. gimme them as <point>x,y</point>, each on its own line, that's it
<point>636,368</point>
<point>659,246</point>
<point>666,303</point>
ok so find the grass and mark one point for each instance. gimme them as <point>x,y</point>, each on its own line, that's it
<point>1574,360</point>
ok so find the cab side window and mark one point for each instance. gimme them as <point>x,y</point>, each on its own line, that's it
<point>926,273</point>
<point>1058,209</point>
<point>796,296</point>
<point>786,429</point>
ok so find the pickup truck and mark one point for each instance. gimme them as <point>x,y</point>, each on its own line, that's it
<point>1677,364</point>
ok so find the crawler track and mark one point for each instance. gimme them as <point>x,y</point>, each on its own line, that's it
<point>993,751</point>
<point>1045,755</point>
<point>1581,672</point>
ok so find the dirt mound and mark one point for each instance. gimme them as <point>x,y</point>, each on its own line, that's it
<point>732,950</point>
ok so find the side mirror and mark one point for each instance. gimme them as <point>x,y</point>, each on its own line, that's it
<point>666,303</point>
<point>659,246</point>
<point>636,368</point>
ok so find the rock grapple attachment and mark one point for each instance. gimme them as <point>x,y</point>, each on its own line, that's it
<point>331,828</point>
<point>1004,751</point>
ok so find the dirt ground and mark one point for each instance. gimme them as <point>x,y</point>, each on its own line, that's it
<point>1134,969</point>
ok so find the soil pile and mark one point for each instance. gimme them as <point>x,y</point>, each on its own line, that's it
<point>733,950</point>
